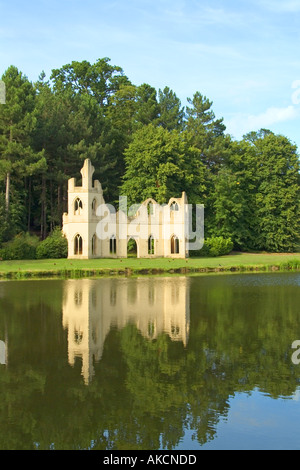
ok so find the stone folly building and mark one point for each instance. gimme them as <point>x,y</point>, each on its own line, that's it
<point>95,230</point>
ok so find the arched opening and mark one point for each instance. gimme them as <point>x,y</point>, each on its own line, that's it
<point>94,207</point>
<point>175,331</point>
<point>78,297</point>
<point>132,293</point>
<point>132,248</point>
<point>174,206</point>
<point>150,208</point>
<point>78,206</point>
<point>151,294</point>
<point>151,245</point>
<point>174,245</point>
<point>113,296</point>
<point>78,245</point>
<point>78,335</point>
<point>94,244</point>
<point>151,329</point>
<point>113,245</point>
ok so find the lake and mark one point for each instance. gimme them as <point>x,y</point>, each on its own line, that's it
<point>155,363</point>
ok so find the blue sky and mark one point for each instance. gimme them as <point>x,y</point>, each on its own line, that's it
<point>241,54</point>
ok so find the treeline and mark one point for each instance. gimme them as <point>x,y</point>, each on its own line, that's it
<point>143,143</point>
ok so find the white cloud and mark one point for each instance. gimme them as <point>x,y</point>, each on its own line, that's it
<point>272,116</point>
<point>193,14</point>
<point>240,124</point>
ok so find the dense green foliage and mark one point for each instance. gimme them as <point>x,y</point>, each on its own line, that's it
<point>143,143</point>
<point>22,246</point>
<point>25,246</point>
<point>215,246</point>
<point>55,246</point>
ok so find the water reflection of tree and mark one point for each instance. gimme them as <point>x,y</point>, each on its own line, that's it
<point>144,393</point>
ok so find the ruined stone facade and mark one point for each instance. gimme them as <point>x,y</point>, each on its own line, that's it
<point>94,230</point>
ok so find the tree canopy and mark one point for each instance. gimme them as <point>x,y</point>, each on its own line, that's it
<point>143,143</point>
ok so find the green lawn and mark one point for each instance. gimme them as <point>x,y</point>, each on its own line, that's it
<point>234,261</point>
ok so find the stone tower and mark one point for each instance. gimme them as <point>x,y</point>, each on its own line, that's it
<point>79,224</point>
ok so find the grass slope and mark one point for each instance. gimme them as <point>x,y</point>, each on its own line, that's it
<point>78,268</point>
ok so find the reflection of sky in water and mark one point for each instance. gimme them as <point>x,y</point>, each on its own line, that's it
<point>261,279</point>
<point>255,421</point>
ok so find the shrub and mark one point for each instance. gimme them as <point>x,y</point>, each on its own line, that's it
<point>215,246</point>
<point>54,246</point>
<point>22,246</point>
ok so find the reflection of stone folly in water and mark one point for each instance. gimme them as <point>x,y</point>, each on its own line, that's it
<point>94,230</point>
<point>2,353</point>
<point>91,308</point>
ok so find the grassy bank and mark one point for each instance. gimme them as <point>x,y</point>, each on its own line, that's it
<point>235,262</point>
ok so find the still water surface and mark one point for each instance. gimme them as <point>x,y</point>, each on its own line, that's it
<point>150,363</point>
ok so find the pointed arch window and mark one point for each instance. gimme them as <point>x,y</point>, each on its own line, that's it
<point>151,329</point>
<point>94,207</point>
<point>113,245</point>
<point>78,206</point>
<point>150,208</point>
<point>94,244</point>
<point>174,206</point>
<point>78,335</point>
<point>113,296</point>
<point>78,297</point>
<point>175,331</point>
<point>78,245</point>
<point>151,245</point>
<point>174,245</point>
